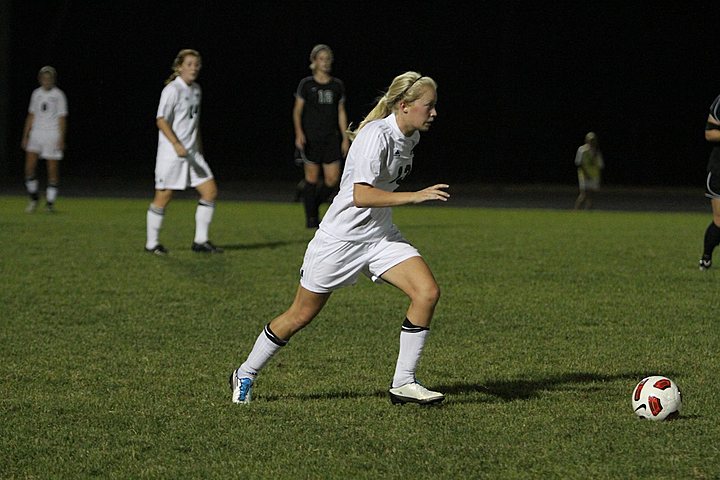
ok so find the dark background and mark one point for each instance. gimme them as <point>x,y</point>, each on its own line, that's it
<point>520,83</point>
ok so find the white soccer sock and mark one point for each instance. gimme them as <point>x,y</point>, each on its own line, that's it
<point>266,345</point>
<point>155,216</point>
<point>32,185</point>
<point>412,341</point>
<point>203,217</point>
<point>51,193</point>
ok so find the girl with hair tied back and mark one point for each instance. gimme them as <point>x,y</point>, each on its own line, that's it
<point>320,122</point>
<point>180,161</point>
<point>357,236</point>
<point>44,137</point>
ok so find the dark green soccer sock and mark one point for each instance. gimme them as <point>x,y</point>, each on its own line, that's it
<point>310,200</point>
<point>712,239</point>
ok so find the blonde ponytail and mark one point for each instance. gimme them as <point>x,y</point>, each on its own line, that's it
<point>406,87</point>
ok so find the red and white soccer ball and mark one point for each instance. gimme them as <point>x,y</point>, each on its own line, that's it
<point>657,398</point>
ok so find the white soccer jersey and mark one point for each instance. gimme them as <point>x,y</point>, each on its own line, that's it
<point>180,107</point>
<point>381,156</point>
<point>47,107</point>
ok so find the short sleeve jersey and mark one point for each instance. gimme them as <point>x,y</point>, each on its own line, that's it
<point>714,162</point>
<point>180,107</point>
<point>47,107</point>
<point>590,162</point>
<point>381,156</point>
<point>320,112</point>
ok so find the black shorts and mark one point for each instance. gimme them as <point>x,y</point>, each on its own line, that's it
<point>326,150</point>
<point>712,186</point>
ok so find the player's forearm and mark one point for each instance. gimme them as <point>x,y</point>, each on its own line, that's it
<point>342,121</point>
<point>297,124</point>
<point>167,130</point>
<point>297,117</point>
<point>62,123</point>
<point>366,196</point>
<point>712,129</point>
<point>28,125</point>
<point>712,135</point>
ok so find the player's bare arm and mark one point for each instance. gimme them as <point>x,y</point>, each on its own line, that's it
<point>167,130</point>
<point>62,122</point>
<point>367,196</point>
<point>343,124</point>
<point>297,123</point>
<point>26,130</point>
<point>712,130</point>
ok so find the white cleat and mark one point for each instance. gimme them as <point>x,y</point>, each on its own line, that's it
<point>31,206</point>
<point>414,393</point>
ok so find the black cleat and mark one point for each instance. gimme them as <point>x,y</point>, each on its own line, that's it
<point>206,247</point>
<point>157,250</point>
<point>705,263</point>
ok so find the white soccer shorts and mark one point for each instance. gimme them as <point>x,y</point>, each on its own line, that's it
<point>330,263</point>
<point>177,173</point>
<point>45,144</point>
<point>588,184</point>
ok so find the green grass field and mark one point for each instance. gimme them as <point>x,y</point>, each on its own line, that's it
<point>115,362</point>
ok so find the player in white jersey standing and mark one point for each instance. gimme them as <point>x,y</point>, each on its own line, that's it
<point>180,161</point>
<point>357,236</point>
<point>44,137</point>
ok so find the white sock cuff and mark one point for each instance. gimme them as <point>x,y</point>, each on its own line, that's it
<point>156,210</point>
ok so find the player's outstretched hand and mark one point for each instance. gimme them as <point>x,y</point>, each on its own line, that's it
<point>436,192</point>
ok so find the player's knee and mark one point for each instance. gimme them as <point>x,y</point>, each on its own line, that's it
<point>209,197</point>
<point>209,193</point>
<point>428,295</point>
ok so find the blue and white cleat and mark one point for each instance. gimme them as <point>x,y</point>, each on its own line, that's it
<point>241,388</point>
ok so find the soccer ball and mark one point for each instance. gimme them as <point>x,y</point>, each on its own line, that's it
<point>657,398</point>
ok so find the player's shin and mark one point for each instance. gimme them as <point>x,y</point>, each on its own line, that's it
<point>203,218</point>
<point>412,342</point>
<point>155,216</point>
<point>266,346</point>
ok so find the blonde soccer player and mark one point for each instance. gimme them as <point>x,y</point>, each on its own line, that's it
<point>357,236</point>
<point>44,137</point>
<point>180,161</point>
